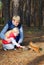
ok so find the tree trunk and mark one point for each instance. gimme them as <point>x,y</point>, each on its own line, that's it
<point>20,11</point>
<point>34,16</point>
<point>6,9</point>
<point>40,14</point>
<point>43,11</point>
<point>28,12</point>
<point>15,7</point>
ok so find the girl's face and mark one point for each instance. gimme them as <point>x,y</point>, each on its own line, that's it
<point>16,33</point>
<point>15,22</point>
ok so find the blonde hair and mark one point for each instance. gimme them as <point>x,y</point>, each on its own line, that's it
<point>16,18</point>
<point>15,30</point>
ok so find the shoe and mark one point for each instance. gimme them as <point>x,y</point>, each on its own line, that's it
<point>14,48</point>
<point>4,49</point>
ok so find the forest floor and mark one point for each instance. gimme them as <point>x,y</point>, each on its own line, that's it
<point>25,57</point>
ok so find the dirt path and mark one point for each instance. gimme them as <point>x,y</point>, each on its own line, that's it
<point>21,57</point>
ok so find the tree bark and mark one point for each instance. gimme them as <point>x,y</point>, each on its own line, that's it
<point>34,16</point>
<point>40,14</point>
<point>15,7</point>
<point>28,12</point>
<point>6,9</point>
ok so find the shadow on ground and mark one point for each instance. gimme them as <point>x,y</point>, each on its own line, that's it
<point>37,61</point>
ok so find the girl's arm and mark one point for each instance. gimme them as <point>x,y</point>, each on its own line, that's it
<point>14,42</point>
<point>21,35</point>
<point>2,34</point>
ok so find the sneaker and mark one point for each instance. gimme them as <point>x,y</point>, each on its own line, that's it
<point>14,48</point>
<point>4,49</point>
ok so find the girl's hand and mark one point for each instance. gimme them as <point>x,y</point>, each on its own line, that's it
<point>22,47</point>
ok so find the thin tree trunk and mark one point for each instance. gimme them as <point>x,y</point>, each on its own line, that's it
<point>20,11</point>
<point>6,9</point>
<point>28,12</point>
<point>40,14</point>
<point>15,7</point>
<point>34,16</point>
